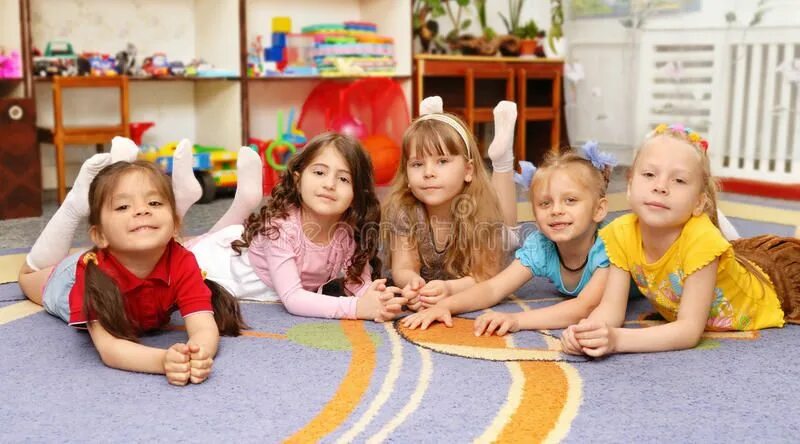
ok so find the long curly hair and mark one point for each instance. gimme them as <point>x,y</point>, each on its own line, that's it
<point>476,238</point>
<point>363,217</point>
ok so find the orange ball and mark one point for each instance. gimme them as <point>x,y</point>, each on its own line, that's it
<point>385,155</point>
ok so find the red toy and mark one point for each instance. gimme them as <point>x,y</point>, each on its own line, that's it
<point>385,155</point>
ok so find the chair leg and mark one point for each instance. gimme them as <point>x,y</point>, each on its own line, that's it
<point>60,179</point>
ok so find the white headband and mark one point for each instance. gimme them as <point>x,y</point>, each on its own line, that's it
<point>453,123</point>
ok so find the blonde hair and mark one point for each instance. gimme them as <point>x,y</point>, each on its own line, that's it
<point>595,179</point>
<point>477,222</point>
<point>710,186</point>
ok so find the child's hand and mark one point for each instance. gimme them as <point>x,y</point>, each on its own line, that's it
<point>176,364</point>
<point>596,338</point>
<point>392,304</point>
<point>496,323</point>
<point>425,318</point>
<point>433,292</point>
<point>379,302</point>
<point>200,363</point>
<point>568,342</point>
<point>411,292</point>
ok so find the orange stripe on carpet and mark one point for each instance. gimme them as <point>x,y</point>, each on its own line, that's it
<point>351,389</point>
<point>543,400</point>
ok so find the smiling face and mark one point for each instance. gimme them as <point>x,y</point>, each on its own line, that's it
<point>135,218</point>
<point>565,208</point>
<point>326,184</point>
<point>666,185</point>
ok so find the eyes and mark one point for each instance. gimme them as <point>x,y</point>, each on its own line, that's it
<point>546,203</point>
<point>650,175</point>
<point>319,172</point>
<point>441,160</point>
<point>153,204</point>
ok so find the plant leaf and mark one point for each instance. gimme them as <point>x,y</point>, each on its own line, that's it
<point>465,24</point>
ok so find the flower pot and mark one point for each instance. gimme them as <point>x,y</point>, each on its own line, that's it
<point>527,47</point>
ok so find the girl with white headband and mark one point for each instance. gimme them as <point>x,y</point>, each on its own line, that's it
<point>447,222</point>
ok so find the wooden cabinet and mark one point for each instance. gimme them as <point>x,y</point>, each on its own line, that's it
<point>472,86</point>
<point>21,191</point>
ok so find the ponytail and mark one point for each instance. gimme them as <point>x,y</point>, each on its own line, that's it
<point>227,314</point>
<point>103,300</point>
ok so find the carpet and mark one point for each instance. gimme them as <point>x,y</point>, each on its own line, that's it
<point>304,379</point>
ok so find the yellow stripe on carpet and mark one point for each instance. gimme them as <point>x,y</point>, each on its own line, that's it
<point>351,389</point>
<point>9,267</point>
<point>19,310</point>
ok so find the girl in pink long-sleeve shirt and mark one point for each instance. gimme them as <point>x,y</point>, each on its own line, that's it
<point>321,223</point>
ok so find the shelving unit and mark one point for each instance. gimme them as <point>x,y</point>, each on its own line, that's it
<point>210,111</point>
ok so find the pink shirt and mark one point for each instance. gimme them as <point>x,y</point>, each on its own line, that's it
<point>297,268</point>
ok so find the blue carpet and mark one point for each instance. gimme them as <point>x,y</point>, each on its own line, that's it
<point>270,387</point>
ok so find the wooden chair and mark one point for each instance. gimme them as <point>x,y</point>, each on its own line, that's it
<point>60,136</point>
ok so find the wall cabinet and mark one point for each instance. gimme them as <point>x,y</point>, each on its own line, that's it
<point>472,86</point>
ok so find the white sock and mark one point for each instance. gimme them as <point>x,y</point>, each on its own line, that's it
<point>501,150</point>
<point>123,149</point>
<point>185,186</point>
<point>53,243</point>
<point>249,189</point>
<point>429,105</point>
<point>727,228</point>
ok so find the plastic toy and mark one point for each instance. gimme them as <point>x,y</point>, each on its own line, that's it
<point>385,155</point>
<point>214,167</point>
<point>126,60</point>
<point>10,66</point>
<point>275,153</point>
<point>156,65</point>
<point>58,60</point>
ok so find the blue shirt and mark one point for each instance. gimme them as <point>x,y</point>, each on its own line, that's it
<point>539,254</point>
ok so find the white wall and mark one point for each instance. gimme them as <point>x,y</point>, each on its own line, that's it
<point>9,25</point>
<point>602,105</point>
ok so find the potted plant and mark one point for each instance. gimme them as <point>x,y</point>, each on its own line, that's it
<point>527,35</point>
<point>486,44</point>
<point>555,38</point>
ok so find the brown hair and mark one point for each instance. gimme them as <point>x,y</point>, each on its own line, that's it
<point>477,224</point>
<point>710,186</point>
<point>102,297</point>
<point>363,217</point>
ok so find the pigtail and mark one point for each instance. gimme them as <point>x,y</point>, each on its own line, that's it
<point>103,300</point>
<point>227,313</point>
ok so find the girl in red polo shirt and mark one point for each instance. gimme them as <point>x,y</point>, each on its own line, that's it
<point>134,277</point>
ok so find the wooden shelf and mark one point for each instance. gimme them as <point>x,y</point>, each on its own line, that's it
<point>159,79</point>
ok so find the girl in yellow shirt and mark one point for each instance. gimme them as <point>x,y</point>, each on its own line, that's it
<point>672,248</point>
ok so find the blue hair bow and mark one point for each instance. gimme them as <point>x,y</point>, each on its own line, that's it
<point>599,159</point>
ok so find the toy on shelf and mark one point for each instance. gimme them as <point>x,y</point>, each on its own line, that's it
<point>351,49</point>
<point>10,65</point>
<point>156,65</point>
<point>59,59</point>
<point>126,60</point>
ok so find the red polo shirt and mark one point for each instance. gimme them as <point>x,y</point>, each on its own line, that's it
<point>175,283</point>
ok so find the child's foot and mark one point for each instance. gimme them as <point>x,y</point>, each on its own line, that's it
<point>430,105</point>
<point>123,149</point>
<point>525,177</point>
<point>501,150</point>
<point>249,189</point>
<point>53,243</point>
<point>185,186</point>
<point>77,200</point>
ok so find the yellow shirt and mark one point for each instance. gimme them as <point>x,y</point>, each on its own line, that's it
<point>742,301</point>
